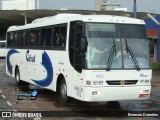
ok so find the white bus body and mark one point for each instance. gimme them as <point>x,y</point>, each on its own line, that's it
<point>127,78</point>
<point>3,48</point>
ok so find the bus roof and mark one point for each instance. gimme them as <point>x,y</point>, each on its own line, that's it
<point>65,18</point>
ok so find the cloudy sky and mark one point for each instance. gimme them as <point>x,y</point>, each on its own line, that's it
<point>142,5</point>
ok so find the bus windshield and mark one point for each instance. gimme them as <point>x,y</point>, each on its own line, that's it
<point>122,46</point>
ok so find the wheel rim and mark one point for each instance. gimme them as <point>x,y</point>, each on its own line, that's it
<point>64,91</point>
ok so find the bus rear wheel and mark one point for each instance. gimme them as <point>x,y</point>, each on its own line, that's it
<point>19,82</point>
<point>63,92</point>
<point>17,77</point>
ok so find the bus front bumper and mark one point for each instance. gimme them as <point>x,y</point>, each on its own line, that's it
<point>96,94</point>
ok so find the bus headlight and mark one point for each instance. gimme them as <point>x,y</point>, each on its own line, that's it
<point>97,82</point>
<point>144,81</point>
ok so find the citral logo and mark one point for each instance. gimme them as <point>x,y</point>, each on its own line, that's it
<point>30,58</point>
<point>142,75</point>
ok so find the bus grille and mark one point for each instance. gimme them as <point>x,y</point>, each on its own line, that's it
<point>122,82</point>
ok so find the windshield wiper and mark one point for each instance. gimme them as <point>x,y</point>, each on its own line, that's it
<point>111,55</point>
<point>128,49</point>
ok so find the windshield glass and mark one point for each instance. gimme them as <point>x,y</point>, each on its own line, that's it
<point>134,36</point>
<point>108,42</point>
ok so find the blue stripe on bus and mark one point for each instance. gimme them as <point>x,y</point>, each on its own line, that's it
<point>46,63</point>
<point>9,54</point>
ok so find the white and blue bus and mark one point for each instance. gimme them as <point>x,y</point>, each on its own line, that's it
<point>86,57</point>
<point>2,48</point>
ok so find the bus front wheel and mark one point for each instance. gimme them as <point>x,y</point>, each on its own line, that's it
<point>63,92</point>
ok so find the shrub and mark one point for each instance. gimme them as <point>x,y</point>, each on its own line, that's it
<point>155,65</point>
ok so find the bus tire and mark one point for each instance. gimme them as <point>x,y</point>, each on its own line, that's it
<point>17,77</point>
<point>19,82</point>
<point>63,92</point>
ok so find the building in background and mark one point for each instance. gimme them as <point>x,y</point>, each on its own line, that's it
<point>108,5</point>
<point>153,33</point>
<point>121,9</point>
<point>19,4</point>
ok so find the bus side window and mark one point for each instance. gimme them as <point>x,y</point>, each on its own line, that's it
<point>72,39</point>
<point>74,45</point>
<point>56,39</point>
<point>43,35</point>
<point>62,35</point>
<point>59,36</point>
<point>31,38</point>
<point>26,38</point>
<point>16,38</point>
<point>3,45</point>
<point>23,37</point>
<point>48,37</point>
<point>11,37</point>
<point>20,39</point>
<point>36,37</point>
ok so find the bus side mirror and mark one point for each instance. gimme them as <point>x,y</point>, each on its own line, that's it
<point>84,45</point>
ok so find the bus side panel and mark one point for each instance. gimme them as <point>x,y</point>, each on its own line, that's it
<point>40,67</point>
<point>75,84</point>
<point>24,68</point>
<point>36,68</point>
<point>62,66</point>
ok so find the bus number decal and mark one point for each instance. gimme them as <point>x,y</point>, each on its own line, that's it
<point>99,75</point>
<point>79,91</point>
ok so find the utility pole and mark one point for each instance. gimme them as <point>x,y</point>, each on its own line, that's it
<point>135,9</point>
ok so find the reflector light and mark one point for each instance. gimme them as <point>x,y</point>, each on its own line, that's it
<point>97,93</point>
<point>143,95</point>
<point>147,81</point>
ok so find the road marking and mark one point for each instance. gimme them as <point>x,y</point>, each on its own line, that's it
<point>14,110</point>
<point>3,96</point>
<point>9,104</point>
<point>36,118</point>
